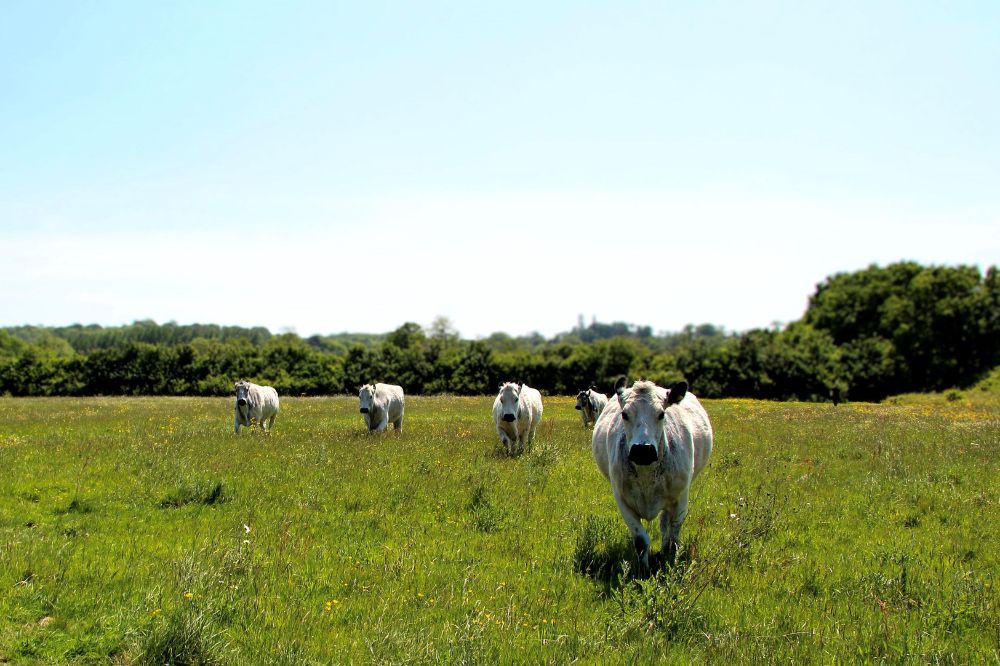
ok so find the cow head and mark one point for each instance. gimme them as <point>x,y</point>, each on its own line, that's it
<point>582,399</point>
<point>510,399</point>
<point>643,409</point>
<point>243,397</point>
<point>367,397</point>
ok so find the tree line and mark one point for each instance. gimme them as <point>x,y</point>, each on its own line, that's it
<point>869,334</point>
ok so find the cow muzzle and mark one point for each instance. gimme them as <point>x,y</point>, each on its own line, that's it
<point>509,418</point>
<point>642,454</point>
<point>578,407</point>
<point>364,410</point>
<point>241,402</point>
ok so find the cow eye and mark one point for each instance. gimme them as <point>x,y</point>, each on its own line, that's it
<point>624,416</point>
<point>660,417</point>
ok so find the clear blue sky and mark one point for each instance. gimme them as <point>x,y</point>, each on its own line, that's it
<point>337,166</point>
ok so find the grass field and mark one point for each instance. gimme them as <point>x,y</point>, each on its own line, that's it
<point>141,530</point>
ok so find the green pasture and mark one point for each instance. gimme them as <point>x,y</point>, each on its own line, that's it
<point>141,530</point>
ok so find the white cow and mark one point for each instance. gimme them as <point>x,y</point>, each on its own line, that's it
<point>259,403</point>
<point>382,404</point>
<point>650,444</point>
<point>591,404</point>
<point>517,411</point>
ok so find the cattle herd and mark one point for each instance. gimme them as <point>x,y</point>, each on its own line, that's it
<point>649,442</point>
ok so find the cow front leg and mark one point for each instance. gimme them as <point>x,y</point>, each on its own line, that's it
<point>503,438</point>
<point>671,521</point>
<point>640,537</point>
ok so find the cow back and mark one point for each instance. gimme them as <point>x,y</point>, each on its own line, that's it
<point>389,397</point>
<point>531,400</point>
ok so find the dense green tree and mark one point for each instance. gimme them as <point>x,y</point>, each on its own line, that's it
<point>937,324</point>
<point>475,372</point>
<point>870,333</point>
<point>11,348</point>
<point>407,336</point>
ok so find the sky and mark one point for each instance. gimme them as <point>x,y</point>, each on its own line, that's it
<point>322,167</point>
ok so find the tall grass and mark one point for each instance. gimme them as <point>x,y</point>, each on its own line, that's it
<point>137,530</point>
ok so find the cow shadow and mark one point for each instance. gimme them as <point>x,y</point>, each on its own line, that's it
<point>604,553</point>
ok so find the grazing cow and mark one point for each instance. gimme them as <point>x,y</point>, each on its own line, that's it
<point>381,405</point>
<point>650,443</point>
<point>259,403</point>
<point>516,413</point>
<point>591,404</point>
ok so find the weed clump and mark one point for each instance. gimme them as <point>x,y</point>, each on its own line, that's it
<point>665,603</point>
<point>77,505</point>
<point>197,492</point>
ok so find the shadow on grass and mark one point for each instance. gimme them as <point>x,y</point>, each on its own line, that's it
<point>604,552</point>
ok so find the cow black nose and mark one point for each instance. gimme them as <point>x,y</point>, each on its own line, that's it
<point>241,402</point>
<point>364,410</point>
<point>509,418</point>
<point>578,407</point>
<point>642,454</point>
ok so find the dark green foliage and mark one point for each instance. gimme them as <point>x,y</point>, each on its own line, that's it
<point>867,334</point>
<point>908,328</point>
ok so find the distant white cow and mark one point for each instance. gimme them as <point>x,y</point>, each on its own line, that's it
<point>259,403</point>
<point>650,444</point>
<point>591,404</point>
<point>381,405</point>
<point>517,411</point>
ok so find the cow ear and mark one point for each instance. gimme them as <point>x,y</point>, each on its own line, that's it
<point>620,389</point>
<point>676,393</point>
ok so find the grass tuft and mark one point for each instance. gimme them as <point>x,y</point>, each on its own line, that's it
<point>665,604</point>
<point>182,638</point>
<point>603,550</point>
<point>77,505</point>
<point>197,492</point>
<point>487,514</point>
